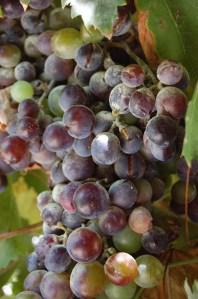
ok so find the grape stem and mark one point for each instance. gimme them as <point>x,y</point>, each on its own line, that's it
<point>46,92</point>
<point>137,59</point>
<point>20,231</point>
<point>138,293</point>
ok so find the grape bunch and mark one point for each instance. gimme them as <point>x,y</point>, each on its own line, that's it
<point>106,130</point>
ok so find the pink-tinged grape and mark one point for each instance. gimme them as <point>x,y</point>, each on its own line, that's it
<point>64,195</point>
<point>71,220</point>
<point>72,95</point>
<point>121,268</point>
<point>58,69</point>
<point>123,193</point>
<point>13,149</point>
<point>87,280</point>
<point>133,75</point>
<point>142,103</point>
<point>105,148</point>
<point>33,280</point>
<point>28,108</point>
<point>113,75</point>
<point>84,245</point>
<point>21,90</point>
<point>158,187</point>
<point>12,9</point>
<point>98,86</point>
<point>55,285</point>
<point>57,259</point>
<point>140,220</point>
<point>10,55</point>
<point>161,130</point>
<point>56,173</point>
<point>33,21</point>
<point>56,137</point>
<point>112,221</point>
<point>27,128</point>
<point>82,147</point>
<point>104,121</point>
<point>65,42</point>
<point>119,98</point>
<point>53,100</point>
<point>52,213</point>
<point>170,72</point>
<point>155,241</point>
<point>77,168</point>
<point>127,240</point>
<point>130,166</point>
<point>44,244</point>
<point>3,182</point>
<point>91,200</point>
<point>144,190</point>
<point>43,199</point>
<point>36,4</point>
<point>193,210</point>
<point>151,271</point>
<point>6,77</point>
<point>89,57</point>
<point>80,121</point>
<point>117,292</point>
<point>172,101</point>
<point>25,71</point>
<point>130,139</point>
<point>44,42</point>
<point>28,295</point>
<point>178,192</point>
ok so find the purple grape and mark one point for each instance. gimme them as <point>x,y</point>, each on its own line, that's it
<point>130,139</point>
<point>170,72</point>
<point>12,9</point>
<point>44,42</point>
<point>28,295</point>
<point>33,22</point>
<point>27,128</point>
<point>133,75</point>
<point>56,173</point>
<point>82,147</point>
<point>34,262</point>
<point>72,95</point>
<point>142,103</point>
<point>33,280</point>
<point>44,244</point>
<point>119,99</point>
<point>13,149</point>
<point>155,241</point>
<point>58,69</point>
<point>104,121</point>
<point>52,213</point>
<point>158,187</point>
<point>43,199</point>
<point>113,75</point>
<point>178,192</point>
<point>72,221</point>
<point>28,108</point>
<point>57,259</point>
<point>89,57</point>
<point>82,76</point>
<point>144,190</point>
<point>98,86</point>
<point>25,71</point>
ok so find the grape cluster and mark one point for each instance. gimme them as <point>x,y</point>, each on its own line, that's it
<point>103,129</point>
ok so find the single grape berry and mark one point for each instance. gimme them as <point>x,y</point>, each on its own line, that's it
<point>133,75</point>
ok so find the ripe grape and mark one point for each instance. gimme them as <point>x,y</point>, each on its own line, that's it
<point>13,149</point>
<point>52,213</point>
<point>130,139</point>
<point>84,245</point>
<point>6,77</point>
<point>87,280</point>
<point>33,280</point>
<point>104,121</point>
<point>144,190</point>
<point>79,120</point>
<point>151,271</point>
<point>27,128</point>
<point>112,221</point>
<point>33,22</point>
<point>27,295</point>
<point>72,95</point>
<point>58,69</point>
<point>117,292</point>
<point>178,192</point>
<point>133,75</point>
<point>64,195</point>
<point>140,220</point>
<point>122,22</point>
<point>91,200</point>
<point>158,187</point>
<point>89,57</point>
<point>105,148</point>
<point>171,101</point>
<point>55,285</point>
<point>82,147</point>
<point>155,241</point>
<point>127,240</point>
<point>77,168</point>
<point>44,42</point>
<point>183,168</point>
<point>44,244</point>
<point>44,157</point>
<point>142,103</point>
<point>43,199</point>
<point>56,173</point>
<point>21,90</point>
<point>119,99</point>
<point>34,262</point>
<point>161,130</point>
<point>56,137</point>
<point>130,166</point>
<point>82,76</point>
<point>28,108</point>
<point>12,9</point>
<point>193,210</point>
<point>25,71</point>
<point>36,4</point>
<point>53,100</point>
<point>170,72</point>
<point>65,43</point>
<point>113,75</point>
<point>98,86</point>
<point>163,154</point>
<point>121,268</point>
<point>10,55</point>
<point>57,259</point>
<point>71,220</point>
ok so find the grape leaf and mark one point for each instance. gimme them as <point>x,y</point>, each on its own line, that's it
<point>168,29</point>
<point>98,13</point>
<point>190,147</point>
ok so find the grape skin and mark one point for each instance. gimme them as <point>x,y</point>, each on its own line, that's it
<point>57,259</point>
<point>33,280</point>
<point>58,69</point>
<point>28,295</point>
<point>140,220</point>
<point>89,57</point>
<point>52,213</point>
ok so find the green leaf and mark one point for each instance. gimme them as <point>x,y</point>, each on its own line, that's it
<point>190,147</point>
<point>38,179</point>
<point>26,2</point>
<point>98,13</point>
<point>1,12</point>
<point>191,293</point>
<point>173,27</point>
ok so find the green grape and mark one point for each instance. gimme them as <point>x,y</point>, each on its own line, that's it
<point>28,295</point>
<point>65,42</point>
<point>150,270</point>
<point>53,100</point>
<point>120,292</point>
<point>10,55</point>
<point>126,240</point>
<point>21,90</point>
<point>90,35</point>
